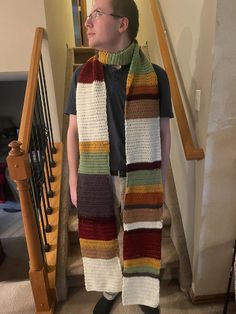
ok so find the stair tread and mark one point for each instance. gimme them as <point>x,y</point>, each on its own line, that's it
<point>77,64</point>
<point>74,262</point>
<point>73,220</point>
<point>166,216</point>
<point>169,257</point>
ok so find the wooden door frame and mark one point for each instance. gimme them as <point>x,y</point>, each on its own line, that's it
<point>82,5</point>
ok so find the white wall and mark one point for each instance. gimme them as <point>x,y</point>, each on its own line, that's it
<point>59,23</point>
<point>18,20</point>
<point>146,34</point>
<point>190,26</point>
<point>184,171</point>
<point>218,214</point>
<point>202,36</point>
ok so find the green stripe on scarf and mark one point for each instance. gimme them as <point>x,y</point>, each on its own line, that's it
<point>95,188</point>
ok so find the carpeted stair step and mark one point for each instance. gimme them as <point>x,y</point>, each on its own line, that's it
<point>166,216</point>
<point>73,226</point>
<point>74,270</point>
<point>169,261</point>
<point>166,223</point>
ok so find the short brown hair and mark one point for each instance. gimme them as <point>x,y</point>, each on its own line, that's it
<point>129,9</point>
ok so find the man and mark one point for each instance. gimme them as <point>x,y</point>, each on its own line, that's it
<point>119,107</point>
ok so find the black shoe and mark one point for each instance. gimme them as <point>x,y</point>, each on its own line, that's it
<point>104,306</point>
<point>150,310</point>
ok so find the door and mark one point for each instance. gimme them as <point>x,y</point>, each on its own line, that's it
<point>82,10</point>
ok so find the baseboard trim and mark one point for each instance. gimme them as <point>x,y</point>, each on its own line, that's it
<point>209,298</point>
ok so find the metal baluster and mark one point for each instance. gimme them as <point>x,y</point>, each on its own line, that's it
<point>47,207</point>
<point>36,211</point>
<point>45,117</point>
<point>47,112</point>
<point>34,202</point>
<point>35,187</point>
<point>49,163</point>
<point>39,163</point>
<point>44,145</point>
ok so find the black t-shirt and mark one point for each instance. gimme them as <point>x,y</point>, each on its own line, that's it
<point>115,80</point>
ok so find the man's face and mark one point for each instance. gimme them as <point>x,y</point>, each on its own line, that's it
<point>103,29</point>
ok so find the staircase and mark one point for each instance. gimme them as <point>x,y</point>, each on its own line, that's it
<point>74,271</point>
<point>81,55</point>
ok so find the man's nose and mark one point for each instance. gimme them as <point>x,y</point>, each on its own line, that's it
<point>88,22</point>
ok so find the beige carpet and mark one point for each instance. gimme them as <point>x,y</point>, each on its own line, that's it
<point>16,298</point>
<point>15,290</point>
<point>173,301</point>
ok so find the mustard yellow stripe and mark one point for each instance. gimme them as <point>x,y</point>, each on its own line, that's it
<point>145,188</point>
<point>142,80</point>
<point>94,147</point>
<point>97,243</point>
<point>103,57</point>
<point>144,261</point>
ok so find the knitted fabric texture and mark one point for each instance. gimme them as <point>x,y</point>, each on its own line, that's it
<point>139,279</point>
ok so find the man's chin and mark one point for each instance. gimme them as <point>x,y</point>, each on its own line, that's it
<point>91,44</point>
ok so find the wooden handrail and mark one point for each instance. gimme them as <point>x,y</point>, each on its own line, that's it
<point>191,152</point>
<point>19,165</point>
<point>30,92</point>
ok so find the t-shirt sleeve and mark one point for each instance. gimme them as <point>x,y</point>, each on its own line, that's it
<point>70,107</point>
<point>164,93</point>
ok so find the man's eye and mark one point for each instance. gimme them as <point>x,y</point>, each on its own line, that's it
<point>98,13</point>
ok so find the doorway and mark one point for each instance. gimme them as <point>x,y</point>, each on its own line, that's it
<point>79,9</point>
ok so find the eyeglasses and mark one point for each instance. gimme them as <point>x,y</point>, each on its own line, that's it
<point>97,13</point>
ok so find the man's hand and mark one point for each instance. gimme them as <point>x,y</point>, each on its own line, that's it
<point>73,157</point>
<point>73,195</point>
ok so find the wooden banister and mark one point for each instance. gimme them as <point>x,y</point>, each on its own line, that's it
<point>30,92</point>
<point>191,152</point>
<point>20,168</point>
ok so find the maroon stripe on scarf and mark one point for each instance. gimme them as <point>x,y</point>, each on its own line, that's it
<point>140,206</point>
<point>91,71</point>
<point>142,243</point>
<point>141,96</point>
<point>91,230</point>
<point>128,275</point>
<point>143,166</point>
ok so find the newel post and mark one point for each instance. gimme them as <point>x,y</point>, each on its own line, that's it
<point>19,170</point>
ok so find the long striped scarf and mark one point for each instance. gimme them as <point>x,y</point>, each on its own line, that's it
<point>138,279</point>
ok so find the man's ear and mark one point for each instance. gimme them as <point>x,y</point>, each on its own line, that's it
<point>124,23</point>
